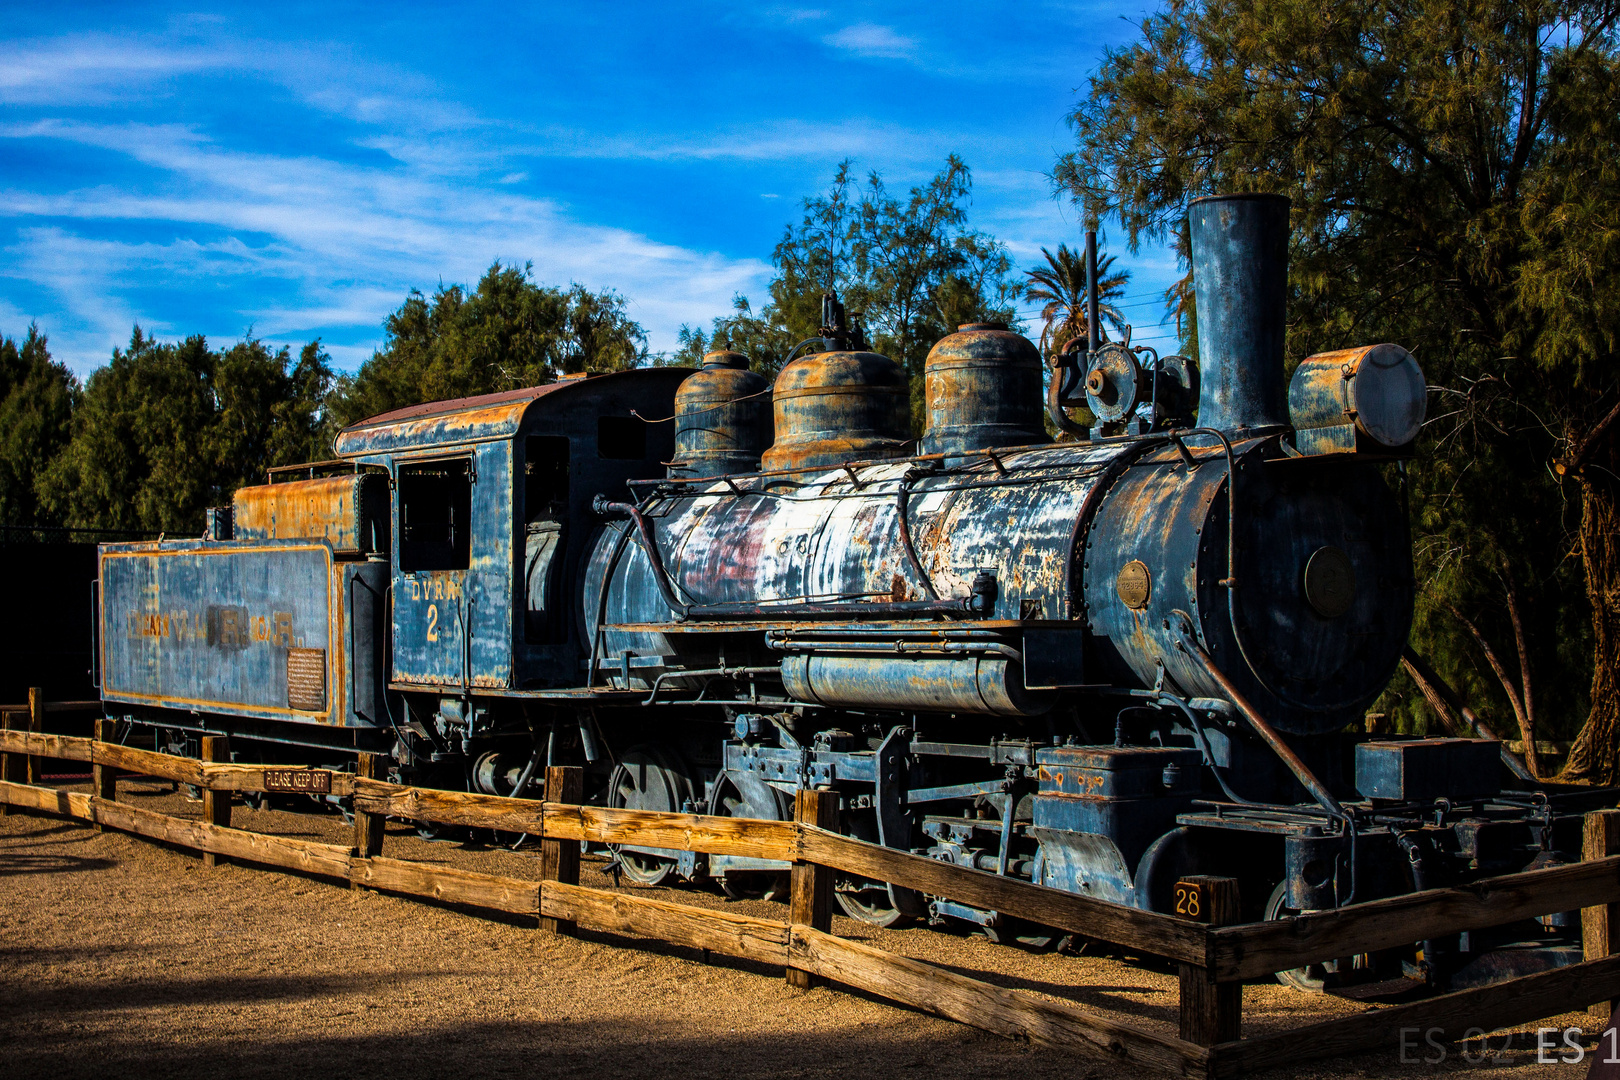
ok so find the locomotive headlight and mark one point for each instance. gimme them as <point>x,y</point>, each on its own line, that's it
<point>1330,582</point>
<point>1114,383</point>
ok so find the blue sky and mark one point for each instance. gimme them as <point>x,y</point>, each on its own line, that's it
<point>296,169</point>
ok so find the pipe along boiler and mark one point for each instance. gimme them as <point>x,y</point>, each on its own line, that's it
<point>1102,662</point>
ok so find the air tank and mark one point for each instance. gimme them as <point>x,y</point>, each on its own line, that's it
<point>722,418</point>
<point>834,407</point>
<point>1240,275</point>
<point>984,390</point>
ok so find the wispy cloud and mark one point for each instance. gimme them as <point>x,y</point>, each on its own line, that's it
<point>196,174</point>
<point>92,68</point>
<point>332,241</point>
<point>112,69</point>
<point>870,39</point>
<point>771,139</point>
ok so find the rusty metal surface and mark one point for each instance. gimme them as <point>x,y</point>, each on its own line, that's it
<point>1056,527</point>
<point>348,512</point>
<point>983,386</point>
<point>1116,384</point>
<point>829,626</point>
<point>204,626</point>
<point>835,407</point>
<point>722,418</point>
<point>836,538</point>
<point>1240,273</point>
<point>532,458</point>
<point>437,424</point>
<point>1307,672</point>
<point>978,685</point>
<point>1370,398</point>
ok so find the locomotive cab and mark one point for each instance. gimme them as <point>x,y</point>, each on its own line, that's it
<point>491,506</point>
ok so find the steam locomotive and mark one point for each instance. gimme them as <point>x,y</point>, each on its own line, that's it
<point>1101,663</point>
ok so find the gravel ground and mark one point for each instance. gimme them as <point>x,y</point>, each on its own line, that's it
<point>120,957</point>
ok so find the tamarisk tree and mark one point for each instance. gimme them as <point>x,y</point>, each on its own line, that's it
<point>1455,189</point>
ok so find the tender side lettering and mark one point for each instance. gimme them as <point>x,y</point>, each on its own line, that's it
<point>222,626</point>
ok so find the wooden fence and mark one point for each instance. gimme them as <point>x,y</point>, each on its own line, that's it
<point>1214,957</point>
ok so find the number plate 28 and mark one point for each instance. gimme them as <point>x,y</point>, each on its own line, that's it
<point>1190,901</point>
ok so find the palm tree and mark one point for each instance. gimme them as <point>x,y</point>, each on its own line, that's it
<point>1060,286</point>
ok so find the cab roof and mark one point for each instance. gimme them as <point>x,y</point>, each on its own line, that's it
<point>484,418</point>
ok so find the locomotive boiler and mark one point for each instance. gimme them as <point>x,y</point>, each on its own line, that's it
<point>1102,662</point>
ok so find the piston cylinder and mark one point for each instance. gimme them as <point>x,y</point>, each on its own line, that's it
<point>984,686</point>
<point>835,407</point>
<point>984,390</point>
<point>1240,274</point>
<point>722,418</point>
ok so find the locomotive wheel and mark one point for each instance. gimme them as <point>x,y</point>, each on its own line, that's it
<point>648,778</point>
<point>755,885</point>
<point>754,799</point>
<point>1312,978</point>
<point>868,901</point>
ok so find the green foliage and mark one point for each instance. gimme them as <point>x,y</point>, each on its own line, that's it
<point>910,267</point>
<point>165,431</point>
<point>914,267</point>
<point>37,397</point>
<point>1061,288</point>
<point>1454,189</point>
<point>508,333</point>
<point>765,342</point>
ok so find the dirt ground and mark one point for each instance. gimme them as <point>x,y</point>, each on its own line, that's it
<point>124,958</point>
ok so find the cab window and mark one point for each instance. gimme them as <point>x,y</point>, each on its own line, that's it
<point>435,515</point>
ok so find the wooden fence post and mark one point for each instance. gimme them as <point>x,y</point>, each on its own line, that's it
<point>559,859</point>
<point>810,902</point>
<point>36,724</point>
<point>13,768</point>
<point>216,804</point>
<point>104,778</point>
<point>1211,1012</point>
<point>368,827</point>
<point>1600,925</point>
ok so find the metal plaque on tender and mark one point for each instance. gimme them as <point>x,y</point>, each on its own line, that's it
<point>312,781</point>
<point>306,679</point>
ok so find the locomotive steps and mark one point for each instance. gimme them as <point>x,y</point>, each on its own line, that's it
<point>1213,960</point>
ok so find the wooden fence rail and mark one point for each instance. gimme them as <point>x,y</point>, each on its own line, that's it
<point>1214,959</point>
<point>795,947</point>
<point>1258,949</point>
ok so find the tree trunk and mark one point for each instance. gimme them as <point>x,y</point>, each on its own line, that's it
<point>1522,643</point>
<point>1527,728</point>
<point>1595,757</point>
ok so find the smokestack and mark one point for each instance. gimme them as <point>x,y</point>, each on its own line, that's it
<point>1240,274</point>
